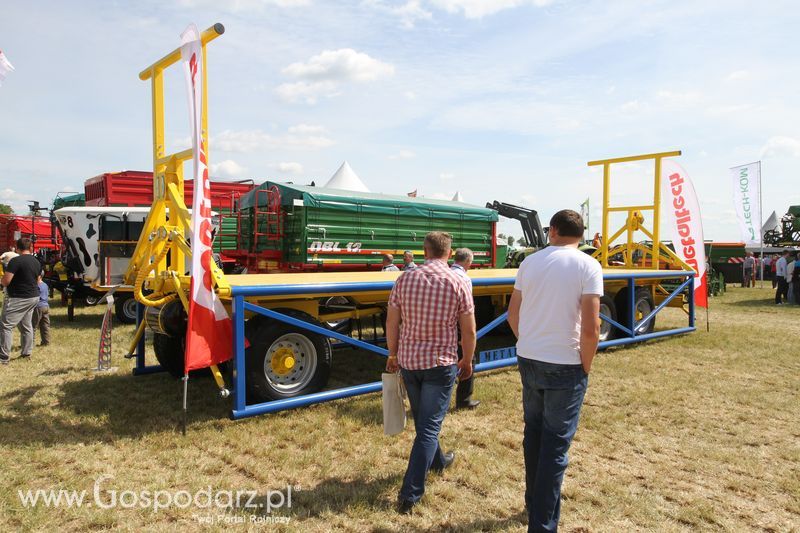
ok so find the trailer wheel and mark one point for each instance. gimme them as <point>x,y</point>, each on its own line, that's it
<point>643,305</point>
<point>284,361</point>
<point>125,308</point>
<point>608,309</point>
<point>169,353</point>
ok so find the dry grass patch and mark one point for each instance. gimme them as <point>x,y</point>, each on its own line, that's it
<point>692,433</point>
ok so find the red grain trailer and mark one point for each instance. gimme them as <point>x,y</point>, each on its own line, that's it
<point>36,228</point>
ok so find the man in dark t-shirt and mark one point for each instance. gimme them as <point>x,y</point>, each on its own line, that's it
<point>21,281</point>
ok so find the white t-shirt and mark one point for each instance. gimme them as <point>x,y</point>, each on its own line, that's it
<point>780,267</point>
<point>552,282</point>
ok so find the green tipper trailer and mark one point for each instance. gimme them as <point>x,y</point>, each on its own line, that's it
<point>287,227</point>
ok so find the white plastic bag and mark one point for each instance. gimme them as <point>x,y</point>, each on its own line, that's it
<point>394,403</point>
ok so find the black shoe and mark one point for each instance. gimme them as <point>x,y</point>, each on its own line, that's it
<point>405,506</point>
<point>449,458</point>
<point>468,404</point>
<point>23,356</point>
<point>3,361</point>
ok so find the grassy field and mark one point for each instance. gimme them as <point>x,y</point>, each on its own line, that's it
<point>693,433</point>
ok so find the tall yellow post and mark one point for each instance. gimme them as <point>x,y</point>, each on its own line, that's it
<point>606,205</point>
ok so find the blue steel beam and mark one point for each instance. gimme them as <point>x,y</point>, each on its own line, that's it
<point>302,324</point>
<point>241,410</point>
<point>663,304</point>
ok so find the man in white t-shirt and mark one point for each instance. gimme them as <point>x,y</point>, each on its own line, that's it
<point>781,292</point>
<point>555,313</point>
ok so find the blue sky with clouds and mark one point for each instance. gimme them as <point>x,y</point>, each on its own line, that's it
<point>502,99</point>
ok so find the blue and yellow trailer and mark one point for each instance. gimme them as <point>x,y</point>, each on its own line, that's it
<point>285,325</point>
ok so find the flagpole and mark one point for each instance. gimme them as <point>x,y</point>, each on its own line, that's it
<point>185,409</point>
<point>708,269</point>
<point>761,224</point>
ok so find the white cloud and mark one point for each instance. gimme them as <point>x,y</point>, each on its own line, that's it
<point>403,154</point>
<point>322,74</point>
<point>524,116</point>
<point>678,98</point>
<point>228,168</point>
<point>344,64</point>
<point>410,95</point>
<point>781,146</point>
<point>408,13</point>
<point>631,107</point>
<point>739,75</point>
<point>253,140</point>
<point>290,167</point>
<point>309,93</point>
<point>307,129</point>
<point>240,6</point>
<point>446,176</point>
<point>475,9</point>
<point>17,200</point>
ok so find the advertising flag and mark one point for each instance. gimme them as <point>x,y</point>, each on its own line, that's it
<point>5,67</point>
<point>683,223</point>
<point>746,180</point>
<point>208,339</point>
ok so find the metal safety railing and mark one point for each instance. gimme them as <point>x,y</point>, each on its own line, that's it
<point>488,360</point>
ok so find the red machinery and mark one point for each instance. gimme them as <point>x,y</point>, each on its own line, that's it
<point>134,188</point>
<point>36,228</point>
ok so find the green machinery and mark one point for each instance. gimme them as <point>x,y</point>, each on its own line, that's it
<point>789,232</point>
<point>287,227</point>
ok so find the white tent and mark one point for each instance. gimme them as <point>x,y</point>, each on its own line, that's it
<point>346,179</point>
<point>458,197</point>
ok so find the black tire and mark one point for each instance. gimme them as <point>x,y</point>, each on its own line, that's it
<point>310,355</point>
<point>169,353</point>
<point>643,304</point>
<point>125,308</point>
<point>484,310</point>
<point>607,308</point>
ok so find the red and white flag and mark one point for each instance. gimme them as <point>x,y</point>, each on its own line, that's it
<point>681,210</point>
<point>5,67</point>
<point>208,339</point>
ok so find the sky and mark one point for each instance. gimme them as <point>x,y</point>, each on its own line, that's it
<point>496,99</point>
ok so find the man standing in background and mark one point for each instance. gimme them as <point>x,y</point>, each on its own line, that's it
<point>462,260</point>
<point>555,313</point>
<point>21,280</point>
<point>41,315</point>
<point>388,264</point>
<point>747,266</point>
<point>780,273</point>
<point>408,260</point>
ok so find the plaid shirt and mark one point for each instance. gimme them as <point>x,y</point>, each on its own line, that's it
<point>430,298</point>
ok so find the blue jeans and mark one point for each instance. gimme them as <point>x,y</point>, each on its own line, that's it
<point>429,395</point>
<point>552,396</point>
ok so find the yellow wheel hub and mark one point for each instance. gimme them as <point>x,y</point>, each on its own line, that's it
<point>283,361</point>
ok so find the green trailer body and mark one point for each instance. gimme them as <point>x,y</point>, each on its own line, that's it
<point>72,200</point>
<point>347,229</point>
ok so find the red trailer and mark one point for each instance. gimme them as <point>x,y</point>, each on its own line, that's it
<point>134,188</point>
<point>36,228</point>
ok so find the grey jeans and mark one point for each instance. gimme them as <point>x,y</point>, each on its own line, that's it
<point>17,312</point>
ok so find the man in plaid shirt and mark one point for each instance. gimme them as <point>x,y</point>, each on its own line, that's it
<point>430,301</point>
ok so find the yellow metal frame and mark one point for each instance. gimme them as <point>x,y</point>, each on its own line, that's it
<point>635,220</point>
<point>159,261</point>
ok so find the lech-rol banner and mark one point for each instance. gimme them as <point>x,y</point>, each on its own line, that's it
<point>682,223</point>
<point>746,181</point>
<point>208,339</point>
